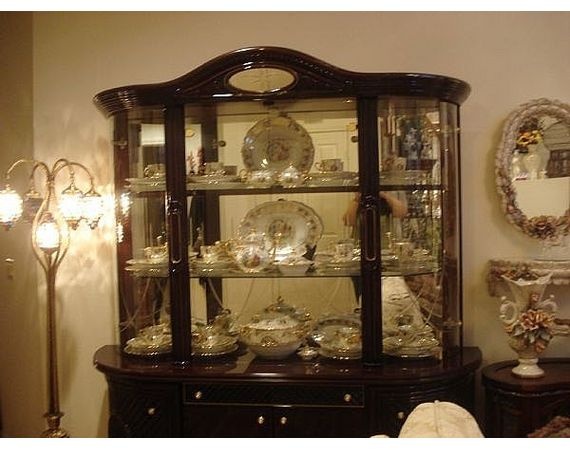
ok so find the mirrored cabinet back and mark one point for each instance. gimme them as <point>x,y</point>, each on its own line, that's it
<point>289,250</point>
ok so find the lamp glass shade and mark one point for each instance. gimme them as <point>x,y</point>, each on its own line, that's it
<point>48,236</point>
<point>71,205</point>
<point>92,205</point>
<point>10,206</point>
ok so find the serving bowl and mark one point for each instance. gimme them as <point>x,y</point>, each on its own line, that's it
<point>273,335</point>
<point>344,343</point>
<point>269,348</point>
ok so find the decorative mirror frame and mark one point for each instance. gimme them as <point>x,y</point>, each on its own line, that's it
<point>546,228</point>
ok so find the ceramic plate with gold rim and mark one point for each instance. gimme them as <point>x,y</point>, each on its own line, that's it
<point>277,142</point>
<point>289,227</point>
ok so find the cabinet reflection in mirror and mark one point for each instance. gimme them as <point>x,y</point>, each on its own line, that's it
<point>532,170</point>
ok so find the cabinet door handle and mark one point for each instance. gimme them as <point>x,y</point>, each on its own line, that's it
<point>370,232</point>
<point>177,233</point>
<point>401,415</point>
<point>283,420</point>
<point>151,411</point>
<point>198,395</point>
<point>347,398</point>
<point>261,420</point>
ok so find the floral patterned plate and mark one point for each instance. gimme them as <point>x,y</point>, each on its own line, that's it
<point>277,142</point>
<point>288,227</point>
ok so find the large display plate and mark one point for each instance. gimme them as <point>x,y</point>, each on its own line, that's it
<point>275,143</point>
<point>288,227</point>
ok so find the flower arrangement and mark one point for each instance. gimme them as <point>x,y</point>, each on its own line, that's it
<point>529,137</point>
<point>530,133</point>
<point>533,327</point>
<point>548,228</point>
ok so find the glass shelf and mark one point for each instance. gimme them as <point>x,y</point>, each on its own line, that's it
<point>161,271</point>
<point>239,188</point>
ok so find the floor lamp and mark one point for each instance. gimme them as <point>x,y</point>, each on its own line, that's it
<point>52,216</point>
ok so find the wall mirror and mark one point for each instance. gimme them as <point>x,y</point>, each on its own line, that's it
<point>532,169</point>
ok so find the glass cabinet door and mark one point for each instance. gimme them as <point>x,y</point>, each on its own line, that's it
<point>269,189</point>
<point>142,233</point>
<point>419,226</point>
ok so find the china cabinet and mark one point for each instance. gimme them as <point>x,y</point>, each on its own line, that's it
<point>289,250</point>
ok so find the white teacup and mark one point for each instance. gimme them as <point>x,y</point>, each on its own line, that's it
<point>155,170</point>
<point>260,177</point>
<point>404,250</point>
<point>343,251</point>
<point>156,253</point>
<point>290,176</point>
<point>330,165</point>
<point>214,168</point>
<point>210,253</point>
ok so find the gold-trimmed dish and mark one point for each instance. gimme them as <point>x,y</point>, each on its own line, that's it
<point>277,142</point>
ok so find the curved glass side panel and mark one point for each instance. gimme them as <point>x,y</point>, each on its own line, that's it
<point>420,243</point>
<point>142,234</point>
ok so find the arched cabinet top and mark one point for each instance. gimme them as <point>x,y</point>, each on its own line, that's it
<point>298,75</point>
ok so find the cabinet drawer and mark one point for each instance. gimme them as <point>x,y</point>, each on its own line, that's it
<point>274,394</point>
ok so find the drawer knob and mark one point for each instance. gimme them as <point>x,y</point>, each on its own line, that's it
<point>151,411</point>
<point>347,398</point>
<point>283,420</point>
<point>198,395</point>
<point>401,415</point>
<point>261,420</point>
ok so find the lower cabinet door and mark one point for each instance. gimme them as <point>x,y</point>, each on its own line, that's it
<point>267,421</point>
<point>143,409</point>
<point>227,421</point>
<point>328,422</point>
<point>391,409</point>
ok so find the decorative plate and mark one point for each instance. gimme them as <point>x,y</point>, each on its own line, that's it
<point>424,347</point>
<point>340,355</point>
<point>149,346</point>
<point>146,184</point>
<point>277,142</point>
<point>212,354</point>
<point>147,262</point>
<point>315,176</point>
<point>213,345</point>
<point>213,178</point>
<point>220,264</point>
<point>288,227</point>
<point>332,179</point>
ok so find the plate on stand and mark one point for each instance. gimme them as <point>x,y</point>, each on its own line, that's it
<point>288,227</point>
<point>277,142</point>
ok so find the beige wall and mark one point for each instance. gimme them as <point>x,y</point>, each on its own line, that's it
<point>508,58</point>
<point>21,323</point>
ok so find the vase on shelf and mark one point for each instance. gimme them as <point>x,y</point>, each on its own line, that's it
<point>532,161</point>
<point>528,320</point>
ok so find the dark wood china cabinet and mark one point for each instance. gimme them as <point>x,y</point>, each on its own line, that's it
<point>289,252</point>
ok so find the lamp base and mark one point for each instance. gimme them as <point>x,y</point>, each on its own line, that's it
<point>55,433</point>
<point>54,430</point>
